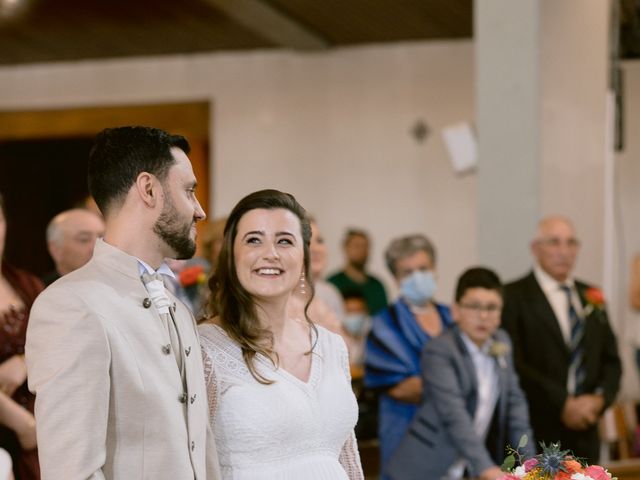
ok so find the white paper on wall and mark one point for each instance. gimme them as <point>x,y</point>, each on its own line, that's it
<point>461,145</point>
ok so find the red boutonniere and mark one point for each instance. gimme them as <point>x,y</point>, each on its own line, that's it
<point>595,300</point>
<point>194,275</point>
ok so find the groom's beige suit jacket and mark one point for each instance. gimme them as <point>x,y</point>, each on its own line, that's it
<point>110,400</point>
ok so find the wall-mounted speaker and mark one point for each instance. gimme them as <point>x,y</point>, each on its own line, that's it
<point>461,144</point>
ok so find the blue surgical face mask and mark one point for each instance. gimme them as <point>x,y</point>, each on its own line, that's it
<point>355,323</point>
<point>418,288</point>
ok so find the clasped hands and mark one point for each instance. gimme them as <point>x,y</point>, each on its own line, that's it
<point>13,373</point>
<point>491,473</point>
<point>582,411</point>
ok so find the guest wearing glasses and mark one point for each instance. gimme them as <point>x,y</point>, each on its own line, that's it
<point>398,335</point>
<point>554,320</point>
<point>472,406</point>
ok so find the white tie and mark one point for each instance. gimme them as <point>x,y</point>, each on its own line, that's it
<point>162,302</point>
<point>155,287</point>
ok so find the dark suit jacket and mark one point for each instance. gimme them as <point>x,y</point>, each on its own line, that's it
<point>542,360</point>
<point>442,430</point>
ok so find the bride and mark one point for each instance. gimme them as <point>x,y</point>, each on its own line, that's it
<point>279,387</point>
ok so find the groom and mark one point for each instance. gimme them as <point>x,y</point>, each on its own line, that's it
<point>114,362</point>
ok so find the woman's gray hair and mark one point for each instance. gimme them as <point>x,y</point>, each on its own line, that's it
<point>406,246</point>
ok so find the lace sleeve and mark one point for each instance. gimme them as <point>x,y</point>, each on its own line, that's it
<point>349,455</point>
<point>350,459</point>
<point>210,381</point>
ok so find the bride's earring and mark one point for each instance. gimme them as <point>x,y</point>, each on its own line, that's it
<point>303,284</point>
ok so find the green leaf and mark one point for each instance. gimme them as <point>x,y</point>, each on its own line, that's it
<point>508,463</point>
<point>523,441</point>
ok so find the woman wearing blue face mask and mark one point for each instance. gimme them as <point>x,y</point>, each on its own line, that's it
<point>398,335</point>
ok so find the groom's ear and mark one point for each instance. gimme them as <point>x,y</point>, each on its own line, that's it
<point>148,189</point>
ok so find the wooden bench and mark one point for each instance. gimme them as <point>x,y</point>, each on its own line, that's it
<point>625,469</point>
<point>370,457</point>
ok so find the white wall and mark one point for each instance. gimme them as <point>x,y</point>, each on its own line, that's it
<point>574,68</point>
<point>507,37</point>
<point>627,203</point>
<point>628,169</point>
<point>332,128</point>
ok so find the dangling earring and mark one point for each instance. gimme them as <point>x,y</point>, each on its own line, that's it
<point>303,284</point>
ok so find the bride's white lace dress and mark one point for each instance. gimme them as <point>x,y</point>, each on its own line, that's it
<point>289,430</point>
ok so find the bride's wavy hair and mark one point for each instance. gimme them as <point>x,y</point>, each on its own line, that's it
<point>230,301</point>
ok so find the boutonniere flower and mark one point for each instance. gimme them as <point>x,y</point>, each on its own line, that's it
<point>194,275</point>
<point>595,300</point>
<point>499,350</point>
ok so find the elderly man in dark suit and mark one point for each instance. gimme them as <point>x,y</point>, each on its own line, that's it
<point>564,349</point>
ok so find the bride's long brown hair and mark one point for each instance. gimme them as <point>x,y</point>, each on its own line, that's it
<point>230,301</point>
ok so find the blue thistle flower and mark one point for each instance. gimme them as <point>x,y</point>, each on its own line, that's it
<point>551,459</point>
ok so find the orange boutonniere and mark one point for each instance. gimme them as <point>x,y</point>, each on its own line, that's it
<point>595,300</point>
<point>192,276</point>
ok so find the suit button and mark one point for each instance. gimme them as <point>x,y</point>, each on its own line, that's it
<point>193,445</point>
<point>146,303</point>
<point>183,398</point>
<point>187,350</point>
<point>166,349</point>
<point>193,399</point>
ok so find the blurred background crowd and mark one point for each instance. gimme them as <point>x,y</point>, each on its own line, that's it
<point>425,137</point>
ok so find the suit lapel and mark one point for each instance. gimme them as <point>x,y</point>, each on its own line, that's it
<point>541,309</point>
<point>501,407</point>
<point>502,384</point>
<point>468,367</point>
<point>591,320</point>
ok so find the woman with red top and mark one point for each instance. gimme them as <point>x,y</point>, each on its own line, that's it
<point>18,290</point>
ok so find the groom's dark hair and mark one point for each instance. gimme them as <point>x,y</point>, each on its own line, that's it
<point>120,154</point>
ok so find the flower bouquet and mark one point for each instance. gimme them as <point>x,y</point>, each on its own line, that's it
<point>552,464</point>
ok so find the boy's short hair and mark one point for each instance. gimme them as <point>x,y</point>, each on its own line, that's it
<point>478,277</point>
<point>352,294</point>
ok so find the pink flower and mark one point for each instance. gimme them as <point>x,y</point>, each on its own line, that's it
<point>509,476</point>
<point>597,473</point>
<point>530,464</point>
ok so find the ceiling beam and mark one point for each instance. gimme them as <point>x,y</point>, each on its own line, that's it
<point>271,24</point>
